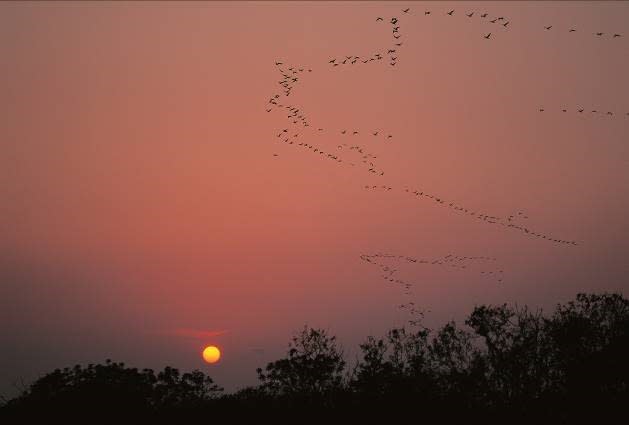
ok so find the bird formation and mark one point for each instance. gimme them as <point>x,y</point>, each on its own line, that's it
<point>584,111</point>
<point>395,31</point>
<point>499,21</point>
<point>365,159</point>
<point>600,34</point>
<point>351,60</point>
<point>452,261</point>
<point>508,222</point>
<point>290,77</point>
<point>353,154</point>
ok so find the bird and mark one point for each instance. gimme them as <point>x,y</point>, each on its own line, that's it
<point>379,19</point>
<point>268,110</point>
<point>398,44</point>
<point>396,36</point>
<point>572,30</point>
<point>354,133</point>
<point>487,36</point>
<point>427,12</point>
<point>469,15</point>
<point>391,51</point>
<point>406,10</point>
<point>344,131</point>
<point>278,63</point>
<point>332,61</point>
<point>484,15</point>
<point>493,21</point>
<point>580,110</point>
<point>375,133</point>
<point>451,12</point>
<point>617,35</point>
<point>505,24</point>
<point>548,27</point>
<point>275,154</point>
<point>599,33</point>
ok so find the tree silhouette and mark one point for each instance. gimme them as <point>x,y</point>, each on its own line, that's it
<point>314,366</point>
<point>506,365</point>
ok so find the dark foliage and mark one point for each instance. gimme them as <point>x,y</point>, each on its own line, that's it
<point>507,365</point>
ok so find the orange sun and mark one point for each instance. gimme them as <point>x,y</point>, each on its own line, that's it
<point>211,354</point>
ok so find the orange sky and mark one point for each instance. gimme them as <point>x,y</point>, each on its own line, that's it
<point>144,213</point>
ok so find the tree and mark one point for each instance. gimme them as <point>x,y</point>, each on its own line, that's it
<point>314,366</point>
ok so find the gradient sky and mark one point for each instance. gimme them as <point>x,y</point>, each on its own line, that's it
<point>143,213</point>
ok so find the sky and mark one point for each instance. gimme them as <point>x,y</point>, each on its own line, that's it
<point>149,208</point>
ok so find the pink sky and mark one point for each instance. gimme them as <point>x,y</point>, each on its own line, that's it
<point>141,194</point>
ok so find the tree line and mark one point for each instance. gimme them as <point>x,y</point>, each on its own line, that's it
<point>505,364</point>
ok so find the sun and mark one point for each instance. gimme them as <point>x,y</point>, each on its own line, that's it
<point>211,354</point>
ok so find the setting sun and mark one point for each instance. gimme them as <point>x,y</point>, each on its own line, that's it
<point>211,354</point>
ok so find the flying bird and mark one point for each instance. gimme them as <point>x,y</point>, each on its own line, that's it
<point>548,27</point>
<point>572,30</point>
<point>487,36</point>
<point>379,19</point>
<point>469,15</point>
<point>484,15</point>
<point>406,10</point>
<point>427,12</point>
<point>451,12</point>
<point>505,24</point>
<point>617,35</point>
<point>599,33</point>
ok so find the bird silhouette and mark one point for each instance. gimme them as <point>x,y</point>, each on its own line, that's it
<point>487,36</point>
<point>617,35</point>
<point>379,19</point>
<point>406,10</point>
<point>484,15</point>
<point>599,33</point>
<point>451,12</point>
<point>469,15</point>
<point>548,27</point>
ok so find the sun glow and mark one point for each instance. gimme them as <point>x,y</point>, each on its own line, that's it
<point>211,354</point>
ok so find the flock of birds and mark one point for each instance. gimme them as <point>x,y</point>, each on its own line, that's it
<point>352,154</point>
<point>456,262</point>
<point>581,110</point>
